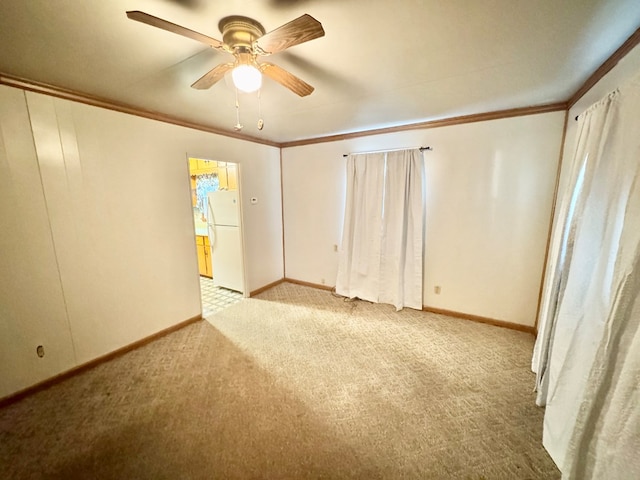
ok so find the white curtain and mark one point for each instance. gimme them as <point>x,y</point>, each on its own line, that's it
<point>590,130</point>
<point>381,256</point>
<point>587,355</point>
<point>359,257</point>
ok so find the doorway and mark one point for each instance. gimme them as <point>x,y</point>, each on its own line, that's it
<point>218,240</point>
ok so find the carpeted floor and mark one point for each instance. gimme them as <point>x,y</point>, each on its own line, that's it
<point>294,384</point>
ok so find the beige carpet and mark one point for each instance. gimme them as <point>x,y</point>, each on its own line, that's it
<point>293,384</point>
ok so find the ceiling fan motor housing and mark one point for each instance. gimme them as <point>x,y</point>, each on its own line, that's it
<point>239,33</point>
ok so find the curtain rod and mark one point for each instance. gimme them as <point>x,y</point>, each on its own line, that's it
<point>422,149</point>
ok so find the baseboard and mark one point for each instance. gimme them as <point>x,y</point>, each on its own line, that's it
<point>20,394</point>
<point>477,318</point>
<point>266,287</point>
<point>309,284</point>
<point>449,313</point>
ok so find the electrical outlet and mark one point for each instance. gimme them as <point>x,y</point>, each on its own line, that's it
<point>436,289</point>
<point>335,247</point>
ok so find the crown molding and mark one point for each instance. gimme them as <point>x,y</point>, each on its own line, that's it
<point>606,67</point>
<point>80,97</point>
<point>445,122</point>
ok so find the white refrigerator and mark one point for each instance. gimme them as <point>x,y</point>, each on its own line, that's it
<point>223,219</point>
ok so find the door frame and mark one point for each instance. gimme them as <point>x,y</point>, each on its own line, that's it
<point>241,222</point>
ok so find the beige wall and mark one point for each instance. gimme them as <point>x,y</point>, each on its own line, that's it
<point>489,193</point>
<point>97,241</point>
<point>97,235</point>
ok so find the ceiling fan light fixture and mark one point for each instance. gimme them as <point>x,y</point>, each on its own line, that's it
<point>247,78</point>
<point>245,39</point>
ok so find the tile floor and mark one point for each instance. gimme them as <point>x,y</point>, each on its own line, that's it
<point>215,298</point>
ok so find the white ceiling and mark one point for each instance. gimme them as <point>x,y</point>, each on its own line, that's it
<point>380,64</point>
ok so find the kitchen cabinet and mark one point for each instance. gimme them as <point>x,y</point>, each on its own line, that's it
<point>227,173</point>
<point>204,256</point>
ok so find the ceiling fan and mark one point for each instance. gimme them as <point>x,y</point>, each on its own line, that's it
<point>246,40</point>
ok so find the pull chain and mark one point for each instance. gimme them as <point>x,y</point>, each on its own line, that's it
<point>238,126</point>
<point>260,121</point>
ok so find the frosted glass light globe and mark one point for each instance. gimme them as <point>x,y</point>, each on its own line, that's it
<point>247,78</point>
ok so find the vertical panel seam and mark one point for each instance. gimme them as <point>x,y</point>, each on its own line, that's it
<point>53,241</point>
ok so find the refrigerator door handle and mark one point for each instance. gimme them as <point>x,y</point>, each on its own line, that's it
<point>211,225</point>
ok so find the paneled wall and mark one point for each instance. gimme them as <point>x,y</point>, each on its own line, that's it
<point>97,230</point>
<point>489,193</point>
<point>32,304</point>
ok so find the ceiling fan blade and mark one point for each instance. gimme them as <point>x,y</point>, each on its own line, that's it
<point>297,31</point>
<point>286,79</point>
<point>139,16</point>
<point>212,76</point>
